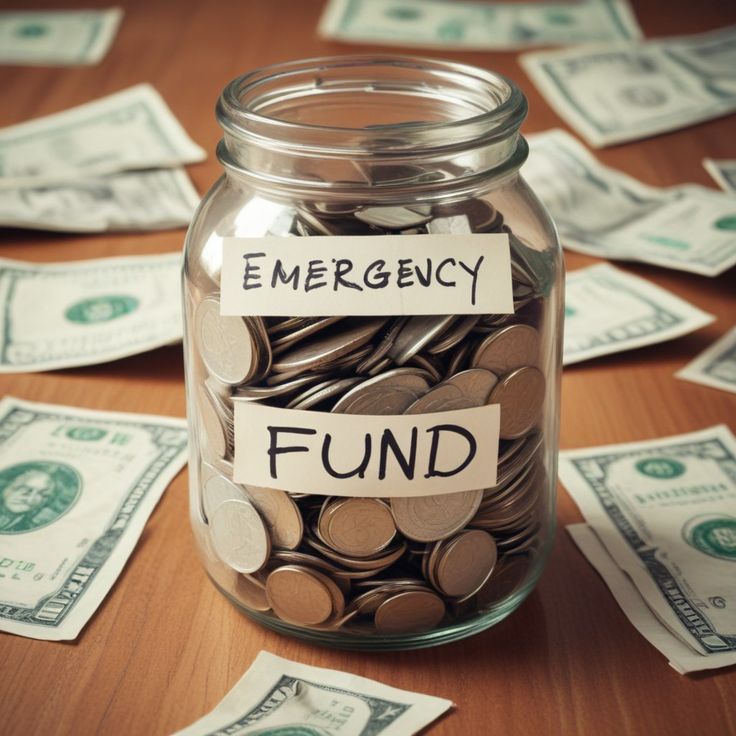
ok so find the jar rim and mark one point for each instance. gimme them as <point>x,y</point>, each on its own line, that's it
<point>240,104</point>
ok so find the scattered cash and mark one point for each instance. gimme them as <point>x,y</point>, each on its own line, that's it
<point>76,489</point>
<point>57,37</point>
<point>135,200</point>
<point>723,171</point>
<point>132,129</point>
<point>665,510</point>
<point>611,93</point>
<point>84,312</point>
<point>277,696</point>
<point>474,25</point>
<point>681,657</point>
<point>716,366</point>
<point>603,212</point>
<point>609,311</point>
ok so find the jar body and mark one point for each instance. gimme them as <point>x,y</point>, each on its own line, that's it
<point>375,571</point>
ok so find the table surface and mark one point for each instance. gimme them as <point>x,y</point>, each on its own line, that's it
<point>165,646</point>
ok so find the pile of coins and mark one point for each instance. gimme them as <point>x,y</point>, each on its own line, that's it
<point>396,565</point>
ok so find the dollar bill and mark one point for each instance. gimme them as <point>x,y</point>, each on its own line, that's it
<point>132,129</point>
<point>681,657</point>
<point>62,315</point>
<point>609,311</point>
<point>76,489</point>
<point>723,171</point>
<point>612,93</point>
<point>716,366</point>
<point>475,25</point>
<point>605,213</point>
<point>57,37</point>
<point>278,696</point>
<point>665,511</point>
<point>133,200</point>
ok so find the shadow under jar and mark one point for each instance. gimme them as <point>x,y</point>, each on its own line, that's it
<point>372,146</point>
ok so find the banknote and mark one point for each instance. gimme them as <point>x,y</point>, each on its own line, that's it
<point>681,657</point>
<point>616,92</point>
<point>715,366</point>
<point>723,171</point>
<point>60,315</point>
<point>605,213</point>
<point>278,696</point>
<point>48,37</point>
<point>76,489</point>
<point>608,311</point>
<point>665,510</point>
<point>132,129</point>
<point>476,25</point>
<point>133,200</point>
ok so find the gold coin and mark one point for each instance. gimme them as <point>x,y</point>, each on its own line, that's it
<point>250,593</point>
<point>299,595</point>
<point>281,515</point>
<point>508,348</point>
<point>465,563</point>
<point>409,612</point>
<point>360,527</point>
<point>520,394</point>
<point>429,518</point>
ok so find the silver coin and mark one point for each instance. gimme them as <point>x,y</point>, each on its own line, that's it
<point>239,536</point>
<point>444,397</point>
<point>218,489</point>
<point>475,384</point>
<point>389,393</point>
<point>323,392</point>
<point>521,395</point>
<point>395,218</point>
<point>416,333</point>
<point>511,347</point>
<point>294,336</point>
<point>455,335</point>
<point>213,436</point>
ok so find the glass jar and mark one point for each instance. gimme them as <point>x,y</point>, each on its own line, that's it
<point>341,389</point>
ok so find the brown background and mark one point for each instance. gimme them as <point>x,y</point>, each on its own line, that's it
<point>165,647</point>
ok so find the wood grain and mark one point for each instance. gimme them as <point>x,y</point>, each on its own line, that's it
<point>165,647</point>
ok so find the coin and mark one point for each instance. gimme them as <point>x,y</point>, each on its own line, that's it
<point>226,344</point>
<point>239,536</point>
<point>395,218</point>
<point>299,595</point>
<point>213,435</point>
<point>416,333</point>
<point>391,392</point>
<point>456,334</point>
<point>360,527</point>
<point>280,514</point>
<point>520,394</point>
<point>409,612</point>
<point>216,490</point>
<point>444,397</point>
<point>475,384</point>
<point>315,395</point>
<point>465,563</point>
<point>429,518</point>
<point>251,593</point>
<point>510,347</point>
<point>297,335</point>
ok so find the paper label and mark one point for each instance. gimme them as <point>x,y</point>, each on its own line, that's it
<point>361,455</point>
<point>363,275</point>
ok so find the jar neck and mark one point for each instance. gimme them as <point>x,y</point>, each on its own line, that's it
<point>378,127</point>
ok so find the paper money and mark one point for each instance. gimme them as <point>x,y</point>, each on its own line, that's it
<point>665,510</point>
<point>474,25</point>
<point>132,129</point>
<point>723,171</point>
<point>76,489</point>
<point>60,315</point>
<point>603,212</point>
<point>277,696</point>
<point>609,311</point>
<point>136,200</point>
<point>57,37</point>
<point>716,366</point>
<point>611,93</point>
<point>681,657</point>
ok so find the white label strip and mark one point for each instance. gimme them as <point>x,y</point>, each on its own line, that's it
<point>364,275</point>
<point>377,456</point>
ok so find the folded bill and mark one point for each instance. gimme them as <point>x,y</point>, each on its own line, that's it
<point>716,366</point>
<point>681,657</point>
<point>617,92</point>
<point>46,37</point>
<point>605,213</point>
<point>132,129</point>
<point>665,511</point>
<point>76,489</point>
<point>277,696</point>
<point>723,171</point>
<point>609,311</point>
<point>474,25</point>
<point>60,315</point>
<point>133,200</point>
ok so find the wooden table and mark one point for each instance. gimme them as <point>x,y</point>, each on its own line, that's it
<point>165,647</point>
